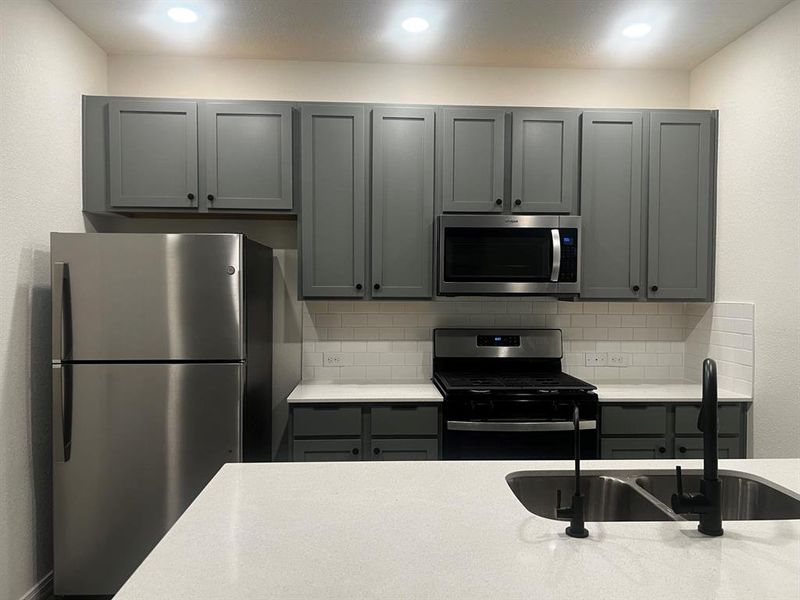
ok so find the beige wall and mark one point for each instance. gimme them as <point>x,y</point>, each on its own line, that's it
<point>755,82</point>
<point>363,82</point>
<point>46,64</point>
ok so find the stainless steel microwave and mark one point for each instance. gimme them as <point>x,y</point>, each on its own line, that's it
<point>509,254</point>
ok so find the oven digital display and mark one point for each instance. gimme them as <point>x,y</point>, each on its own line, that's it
<point>498,340</point>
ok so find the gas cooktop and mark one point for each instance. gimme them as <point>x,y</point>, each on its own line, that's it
<point>456,381</point>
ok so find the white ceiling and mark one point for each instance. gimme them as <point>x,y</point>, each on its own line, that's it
<point>518,33</point>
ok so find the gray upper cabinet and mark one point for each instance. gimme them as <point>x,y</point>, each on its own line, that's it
<point>473,155</point>
<point>544,161</point>
<point>248,155</point>
<point>680,206</point>
<point>402,202</point>
<point>333,202</point>
<point>611,205</point>
<point>152,154</point>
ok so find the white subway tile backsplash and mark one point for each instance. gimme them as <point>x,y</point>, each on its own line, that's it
<point>365,358</point>
<point>620,333</point>
<point>354,320</point>
<point>381,340</point>
<point>353,372</point>
<point>609,320</point>
<point>620,308</point>
<point>583,321</point>
<point>569,308</point>
<point>595,308</point>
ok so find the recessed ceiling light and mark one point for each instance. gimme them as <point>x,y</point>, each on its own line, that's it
<point>636,30</point>
<point>182,15</point>
<point>415,24</point>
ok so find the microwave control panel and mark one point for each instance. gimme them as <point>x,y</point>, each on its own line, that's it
<point>569,255</point>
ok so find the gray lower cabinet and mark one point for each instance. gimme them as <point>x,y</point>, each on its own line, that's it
<point>647,202</point>
<point>333,230</point>
<point>248,155</point>
<point>473,159</point>
<point>611,206</point>
<point>326,450</point>
<point>336,432</point>
<point>152,154</point>
<point>652,430</point>
<point>692,447</point>
<point>645,448</point>
<point>404,449</point>
<point>402,202</point>
<point>680,206</point>
<point>544,161</point>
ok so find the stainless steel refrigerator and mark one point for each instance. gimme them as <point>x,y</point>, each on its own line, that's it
<point>161,374</point>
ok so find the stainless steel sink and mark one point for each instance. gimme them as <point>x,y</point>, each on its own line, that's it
<point>606,498</point>
<point>645,495</point>
<point>743,498</point>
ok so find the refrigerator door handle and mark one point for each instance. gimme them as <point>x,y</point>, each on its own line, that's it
<point>62,334</point>
<point>62,413</point>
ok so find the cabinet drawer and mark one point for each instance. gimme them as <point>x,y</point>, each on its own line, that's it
<point>633,448</point>
<point>692,447</point>
<point>405,449</point>
<point>327,420</point>
<point>405,420</point>
<point>326,450</point>
<point>686,419</point>
<point>634,420</point>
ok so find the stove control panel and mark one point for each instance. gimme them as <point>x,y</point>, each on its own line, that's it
<point>498,340</point>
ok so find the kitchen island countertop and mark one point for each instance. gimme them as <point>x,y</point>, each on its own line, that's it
<point>449,530</point>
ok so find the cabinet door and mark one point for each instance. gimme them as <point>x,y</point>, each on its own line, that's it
<point>544,172</point>
<point>680,206</point>
<point>473,160</point>
<point>402,202</point>
<point>692,447</point>
<point>633,448</point>
<point>405,449</point>
<point>326,450</point>
<point>333,201</point>
<point>248,152</point>
<point>152,154</point>
<point>611,205</point>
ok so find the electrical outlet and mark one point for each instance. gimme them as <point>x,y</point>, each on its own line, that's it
<point>596,359</point>
<point>338,359</point>
<point>619,359</point>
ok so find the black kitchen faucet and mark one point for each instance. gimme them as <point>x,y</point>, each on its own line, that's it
<point>707,503</point>
<point>577,526</point>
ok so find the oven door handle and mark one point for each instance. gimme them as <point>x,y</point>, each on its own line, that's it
<point>556,235</point>
<point>518,426</point>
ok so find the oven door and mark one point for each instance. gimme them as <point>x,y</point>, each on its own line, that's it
<point>505,429</point>
<point>499,254</point>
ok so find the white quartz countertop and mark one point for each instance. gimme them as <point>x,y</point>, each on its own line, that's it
<point>644,391</point>
<point>667,391</point>
<point>441,529</point>
<point>364,392</point>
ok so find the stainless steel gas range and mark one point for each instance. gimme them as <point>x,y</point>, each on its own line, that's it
<point>506,397</point>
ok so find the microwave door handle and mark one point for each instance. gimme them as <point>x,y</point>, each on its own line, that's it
<point>556,254</point>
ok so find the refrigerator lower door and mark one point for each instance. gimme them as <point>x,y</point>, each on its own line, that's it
<point>133,297</point>
<point>134,444</point>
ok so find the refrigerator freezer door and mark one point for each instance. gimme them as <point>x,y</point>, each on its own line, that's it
<point>145,440</point>
<point>132,297</point>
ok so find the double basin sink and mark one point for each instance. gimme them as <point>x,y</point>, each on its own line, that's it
<point>645,495</point>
